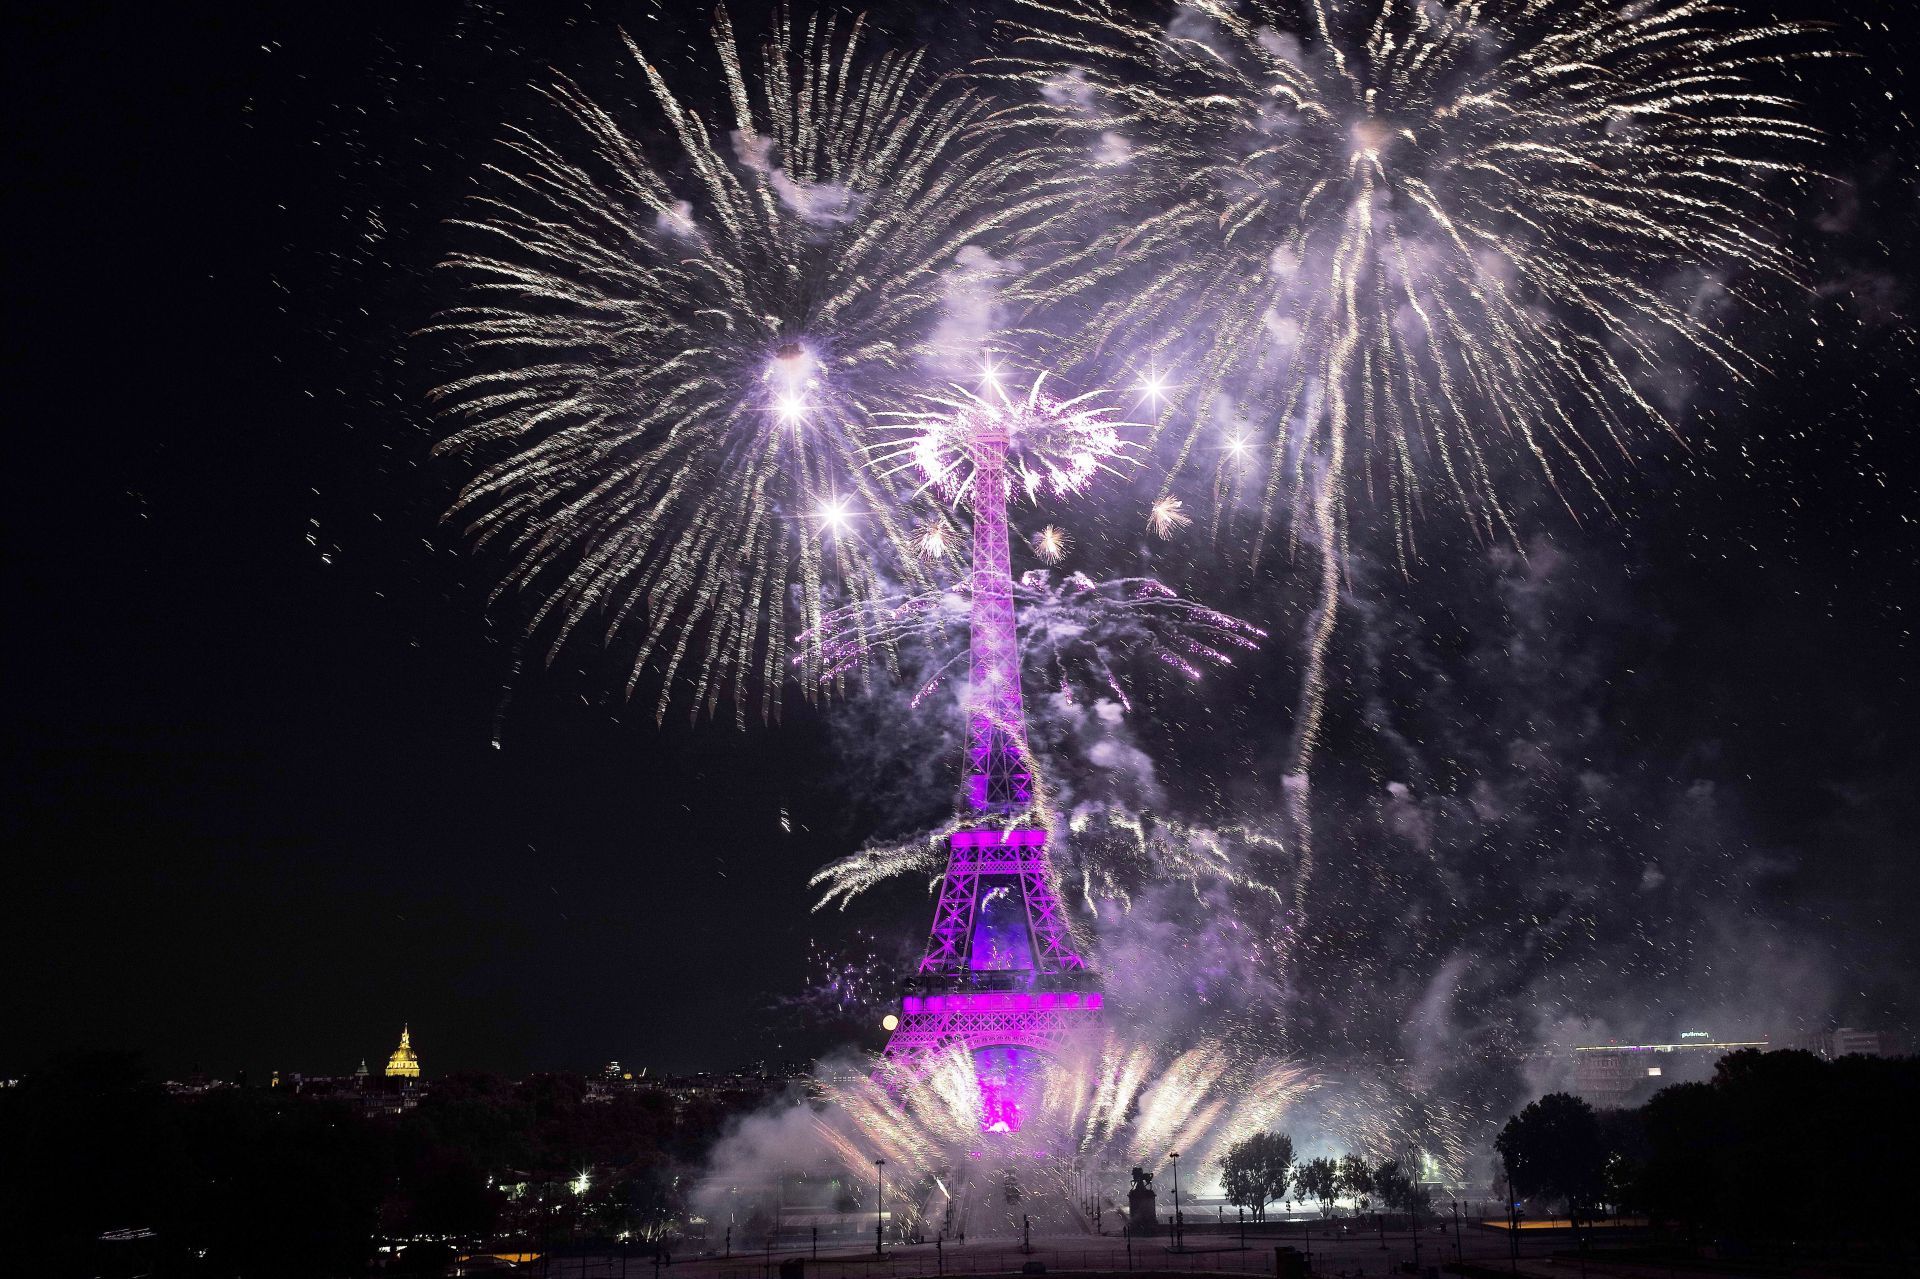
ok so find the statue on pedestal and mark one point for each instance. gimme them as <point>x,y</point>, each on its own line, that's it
<point>1141,1217</point>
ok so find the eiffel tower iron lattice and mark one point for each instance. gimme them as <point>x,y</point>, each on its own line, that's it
<point>1001,979</point>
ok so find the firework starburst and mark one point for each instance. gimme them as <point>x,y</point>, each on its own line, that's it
<point>1401,247</point>
<point>1053,446</point>
<point>1052,543</point>
<point>672,358</point>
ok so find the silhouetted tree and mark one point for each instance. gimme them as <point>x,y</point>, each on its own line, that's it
<point>1392,1185</point>
<point>1623,1138</point>
<point>1318,1179</point>
<point>1257,1170</point>
<point>1356,1179</point>
<point>1553,1150</point>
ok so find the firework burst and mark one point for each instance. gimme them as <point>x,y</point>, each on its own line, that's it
<point>1052,543</point>
<point>1408,236</point>
<point>1167,516</point>
<point>1053,446</point>
<point>672,359</point>
<point>1399,246</point>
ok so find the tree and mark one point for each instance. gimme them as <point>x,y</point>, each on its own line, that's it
<point>1398,1188</point>
<point>1553,1150</point>
<point>1256,1171</point>
<point>1237,1180</point>
<point>1318,1179</point>
<point>1392,1185</point>
<point>1356,1179</point>
<point>1623,1136</point>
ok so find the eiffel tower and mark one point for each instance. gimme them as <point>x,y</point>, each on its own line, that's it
<point>1001,979</point>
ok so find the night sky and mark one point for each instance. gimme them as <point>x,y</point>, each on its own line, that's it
<point>255,817</point>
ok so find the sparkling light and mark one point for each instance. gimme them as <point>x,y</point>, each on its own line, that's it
<point>1167,516</point>
<point>834,515</point>
<point>1153,387</point>
<point>1052,543</point>
<point>1052,445</point>
<point>933,542</point>
<point>791,406</point>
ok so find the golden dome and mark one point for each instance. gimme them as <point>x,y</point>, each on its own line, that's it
<point>403,1064</point>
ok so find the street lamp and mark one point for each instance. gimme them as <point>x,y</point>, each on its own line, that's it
<point>1413,1203</point>
<point>1178,1232</point>
<point>879,1205</point>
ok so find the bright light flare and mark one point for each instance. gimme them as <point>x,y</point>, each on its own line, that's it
<point>834,515</point>
<point>1154,386</point>
<point>790,407</point>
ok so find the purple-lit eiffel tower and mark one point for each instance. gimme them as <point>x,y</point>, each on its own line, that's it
<point>1001,979</point>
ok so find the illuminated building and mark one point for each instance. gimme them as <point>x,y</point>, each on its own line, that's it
<point>404,1064</point>
<point>1001,978</point>
<point>1627,1074</point>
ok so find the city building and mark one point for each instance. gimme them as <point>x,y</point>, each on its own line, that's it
<point>1627,1074</point>
<point>1849,1041</point>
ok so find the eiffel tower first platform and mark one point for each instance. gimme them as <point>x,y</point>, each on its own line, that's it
<point>1001,979</point>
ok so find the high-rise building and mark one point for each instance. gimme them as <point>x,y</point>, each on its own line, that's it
<point>404,1064</point>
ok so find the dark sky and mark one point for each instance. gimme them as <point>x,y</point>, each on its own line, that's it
<point>254,817</point>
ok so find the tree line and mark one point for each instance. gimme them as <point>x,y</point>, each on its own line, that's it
<point>1260,1171</point>
<point>1716,1160</point>
<point>1713,1161</point>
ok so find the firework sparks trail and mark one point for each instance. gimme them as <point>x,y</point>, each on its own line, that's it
<point>671,359</point>
<point>1402,246</point>
<point>1075,629</point>
<point>1111,1099</point>
<point>1113,855</point>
